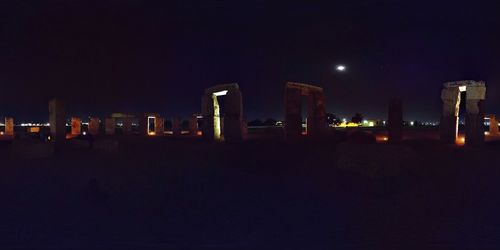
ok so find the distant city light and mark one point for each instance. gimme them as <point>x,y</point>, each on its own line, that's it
<point>341,68</point>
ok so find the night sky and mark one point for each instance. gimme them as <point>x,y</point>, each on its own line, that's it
<point>158,56</point>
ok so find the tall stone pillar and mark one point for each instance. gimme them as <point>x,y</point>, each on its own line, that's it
<point>110,126</point>
<point>207,109</point>
<point>94,126</point>
<point>76,126</point>
<point>193,125</point>
<point>293,113</point>
<point>176,126</point>
<point>395,121</point>
<point>474,119</point>
<point>449,118</point>
<point>57,122</point>
<point>159,126</point>
<point>493,125</point>
<point>316,120</point>
<point>9,126</point>
<point>233,117</point>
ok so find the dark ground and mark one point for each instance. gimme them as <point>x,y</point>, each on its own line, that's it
<point>167,193</point>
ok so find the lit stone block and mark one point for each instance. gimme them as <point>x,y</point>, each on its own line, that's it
<point>9,126</point>
<point>76,126</point>
<point>94,126</point>
<point>229,125</point>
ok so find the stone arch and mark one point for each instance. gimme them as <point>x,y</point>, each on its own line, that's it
<point>230,127</point>
<point>474,119</point>
<point>316,119</point>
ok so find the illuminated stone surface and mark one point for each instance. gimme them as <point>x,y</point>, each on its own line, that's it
<point>57,122</point>
<point>176,126</point>
<point>94,126</point>
<point>493,125</point>
<point>110,126</point>
<point>316,117</point>
<point>395,121</point>
<point>159,126</point>
<point>474,118</point>
<point>76,126</point>
<point>229,125</point>
<point>9,126</point>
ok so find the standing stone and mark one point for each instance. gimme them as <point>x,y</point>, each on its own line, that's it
<point>395,126</point>
<point>57,122</point>
<point>316,117</point>
<point>159,126</point>
<point>493,125</point>
<point>448,127</point>
<point>229,125</point>
<point>176,126</point>
<point>94,126</point>
<point>127,125</point>
<point>9,126</point>
<point>474,119</point>
<point>110,126</point>
<point>193,125</point>
<point>76,126</point>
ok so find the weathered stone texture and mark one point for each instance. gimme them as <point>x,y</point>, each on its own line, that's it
<point>94,126</point>
<point>76,126</point>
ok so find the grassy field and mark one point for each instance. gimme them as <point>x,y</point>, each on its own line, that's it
<point>184,193</point>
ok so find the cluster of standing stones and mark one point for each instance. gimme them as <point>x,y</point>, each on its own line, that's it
<point>231,126</point>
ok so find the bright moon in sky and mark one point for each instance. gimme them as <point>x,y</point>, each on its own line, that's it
<point>341,68</point>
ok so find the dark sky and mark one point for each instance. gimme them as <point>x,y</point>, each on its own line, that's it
<point>158,56</point>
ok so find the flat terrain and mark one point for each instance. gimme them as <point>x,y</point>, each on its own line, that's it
<point>168,193</point>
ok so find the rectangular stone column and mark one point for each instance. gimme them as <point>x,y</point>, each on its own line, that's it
<point>110,126</point>
<point>232,124</point>
<point>76,126</point>
<point>9,126</point>
<point>94,126</point>
<point>207,109</point>
<point>395,121</point>
<point>293,113</point>
<point>448,126</point>
<point>57,122</point>
<point>316,120</point>
<point>493,125</point>
<point>193,125</point>
<point>176,126</point>
<point>159,126</point>
<point>474,119</point>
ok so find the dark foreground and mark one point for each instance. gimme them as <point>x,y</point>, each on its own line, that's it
<point>163,193</point>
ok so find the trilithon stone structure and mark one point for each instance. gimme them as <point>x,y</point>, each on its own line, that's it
<point>493,125</point>
<point>76,126</point>
<point>110,126</point>
<point>94,126</point>
<point>9,126</point>
<point>474,119</point>
<point>316,117</point>
<point>395,121</point>
<point>57,121</point>
<point>226,125</point>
